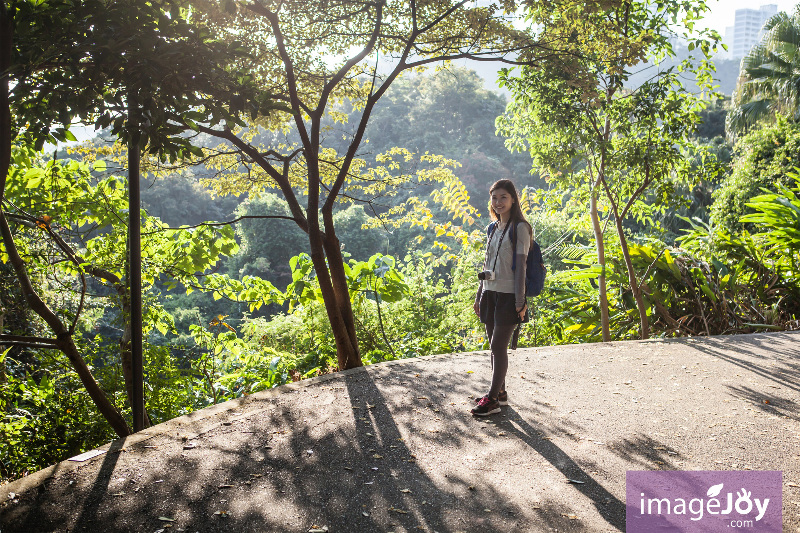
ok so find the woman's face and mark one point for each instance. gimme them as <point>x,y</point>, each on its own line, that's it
<point>502,201</point>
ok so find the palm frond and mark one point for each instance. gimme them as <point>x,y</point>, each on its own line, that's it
<point>769,82</point>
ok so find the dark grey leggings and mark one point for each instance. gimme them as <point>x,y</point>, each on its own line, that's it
<point>499,335</point>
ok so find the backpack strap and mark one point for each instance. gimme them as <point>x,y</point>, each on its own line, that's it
<point>513,248</point>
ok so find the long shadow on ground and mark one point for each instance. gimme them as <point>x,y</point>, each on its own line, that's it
<point>293,463</point>
<point>339,453</point>
<point>786,370</point>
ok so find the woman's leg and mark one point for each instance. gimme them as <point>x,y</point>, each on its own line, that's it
<point>498,343</point>
<point>489,333</point>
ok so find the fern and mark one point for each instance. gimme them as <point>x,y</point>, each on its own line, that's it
<point>573,252</point>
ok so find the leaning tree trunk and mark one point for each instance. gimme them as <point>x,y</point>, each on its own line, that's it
<point>336,296</point>
<point>601,259</point>
<point>634,283</point>
<point>64,340</point>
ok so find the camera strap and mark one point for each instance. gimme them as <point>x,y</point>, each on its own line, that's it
<point>499,244</point>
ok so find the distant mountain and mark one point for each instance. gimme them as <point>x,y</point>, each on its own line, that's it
<point>727,74</point>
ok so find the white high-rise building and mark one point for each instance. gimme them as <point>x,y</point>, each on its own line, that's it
<point>748,28</point>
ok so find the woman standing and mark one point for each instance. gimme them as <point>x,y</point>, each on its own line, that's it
<point>500,302</point>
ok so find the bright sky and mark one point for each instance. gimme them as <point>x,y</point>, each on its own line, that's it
<point>723,12</point>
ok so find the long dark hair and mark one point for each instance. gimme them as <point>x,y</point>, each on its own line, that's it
<point>517,215</point>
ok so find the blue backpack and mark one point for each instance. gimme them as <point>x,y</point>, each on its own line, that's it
<point>535,269</point>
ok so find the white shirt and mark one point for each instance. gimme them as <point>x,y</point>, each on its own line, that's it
<point>504,276</point>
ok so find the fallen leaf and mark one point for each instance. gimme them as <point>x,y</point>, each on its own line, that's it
<point>377,456</point>
<point>226,486</point>
<point>365,513</point>
<point>470,371</point>
<point>315,529</point>
<point>165,519</point>
<point>795,485</point>
<point>222,514</point>
<point>576,481</point>
<point>407,491</point>
<point>570,516</point>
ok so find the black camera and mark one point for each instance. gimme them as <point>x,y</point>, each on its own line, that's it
<point>486,275</point>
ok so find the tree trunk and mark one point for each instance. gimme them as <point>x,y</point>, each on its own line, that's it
<point>126,352</point>
<point>637,292</point>
<point>335,295</point>
<point>601,259</point>
<point>6,45</point>
<point>2,357</point>
<point>64,339</point>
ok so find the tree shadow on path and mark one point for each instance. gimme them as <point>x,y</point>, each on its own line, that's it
<point>737,350</point>
<point>608,506</point>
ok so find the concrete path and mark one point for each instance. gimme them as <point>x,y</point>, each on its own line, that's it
<point>392,447</point>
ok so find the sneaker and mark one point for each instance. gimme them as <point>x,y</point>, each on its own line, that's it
<point>502,398</point>
<point>486,406</point>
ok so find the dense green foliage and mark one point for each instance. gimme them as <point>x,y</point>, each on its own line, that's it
<point>763,160</point>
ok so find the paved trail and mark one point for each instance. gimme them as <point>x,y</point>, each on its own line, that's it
<point>393,447</point>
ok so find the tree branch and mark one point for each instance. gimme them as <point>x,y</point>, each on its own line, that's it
<point>294,97</point>
<point>281,179</point>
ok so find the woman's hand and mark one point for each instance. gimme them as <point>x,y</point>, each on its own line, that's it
<point>477,307</point>
<point>521,311</point>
